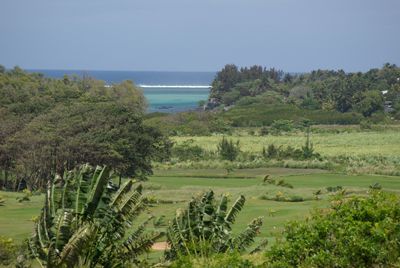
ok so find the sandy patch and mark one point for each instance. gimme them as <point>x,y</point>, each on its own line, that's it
<point>160,246</point>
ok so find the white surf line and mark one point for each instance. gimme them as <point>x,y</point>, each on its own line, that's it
<point>174,86</point>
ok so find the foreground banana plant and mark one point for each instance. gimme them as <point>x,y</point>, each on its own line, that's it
<point>204,229</point>
<point>85,221</point>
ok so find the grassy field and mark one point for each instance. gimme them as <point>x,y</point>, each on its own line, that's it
<point>368,143</point>
<point>174,187</point>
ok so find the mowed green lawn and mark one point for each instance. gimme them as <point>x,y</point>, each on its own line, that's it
<point>173,188</point>
<point>369,143</point>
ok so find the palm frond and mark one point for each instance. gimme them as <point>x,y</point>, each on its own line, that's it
<point>119,196</point>
<point>63,228</point>
<point>136,234</point>
<point>133,204</point>
<point>77,245</point>
<point>246,238</point>
<point>82,180</point>
<point>260,247</point>
<point>222,208</point>
<point>84,221</point>
<point>235,209</point>
<point>141,244</point>
<point>99,182</point>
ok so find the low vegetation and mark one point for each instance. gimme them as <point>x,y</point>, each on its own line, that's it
<point>86,222</point>
<point>354,232</point>
<point>350,150</point>
<point>205,229</point>
<point>177,187</point>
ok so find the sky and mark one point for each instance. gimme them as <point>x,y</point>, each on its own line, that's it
<point>202,35</point>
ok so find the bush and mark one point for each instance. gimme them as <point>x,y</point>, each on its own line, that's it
<point>264,131</point>
<point>271,152</point>
<point>282,183</point>
<point>308,148</point>
<point>187,151</point>
<point>332,189</point>
<point>376,186</point>
<point>306,152</point>
<point>88,222</point>
<point>357,232</point>
<point>280,197</point>
<point>365,125</point>
<point>8,250</point>
<point>26,197</point>
<point>228,150</point>
<point>232,260</point>
<point>204,229</point>
<point>279,126</point>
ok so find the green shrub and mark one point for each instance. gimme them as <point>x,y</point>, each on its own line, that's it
<point>281,125</point>
<point>365,124</point>
<point>284,197</point>
<point>88,222</point>
<point>296,198</point>
<point>306,152</point>
<point>357,232</point>
<point>204,228</point>
<point>8,250</point>
<point>264,131</point>
<point>283,183</point>
<point>159,221</point>
<point>26,197</point>
<point>272,151</point>
<point>376,186</point>
<point>332,189</point>
<point>187,151</point>
<point>232,260</point>
<point>228,150</point>
<point>308,148</point>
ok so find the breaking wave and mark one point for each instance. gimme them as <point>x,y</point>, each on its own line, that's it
<point>175,86</point>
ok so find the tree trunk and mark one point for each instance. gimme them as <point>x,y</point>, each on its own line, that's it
<point>5,179</point>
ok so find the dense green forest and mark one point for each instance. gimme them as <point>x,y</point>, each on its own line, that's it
<point>51,125</point>
<point>321,89</point>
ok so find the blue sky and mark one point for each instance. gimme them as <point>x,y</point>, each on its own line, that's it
<point>202,35</point>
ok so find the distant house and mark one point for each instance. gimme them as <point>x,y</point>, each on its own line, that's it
<point>387,106</point>
<point>211,104</point>
<point>227,108</point>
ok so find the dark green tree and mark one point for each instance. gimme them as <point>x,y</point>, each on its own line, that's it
<point>372,101</point>
<point>228,150</point>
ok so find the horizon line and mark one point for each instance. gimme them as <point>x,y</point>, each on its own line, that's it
<point>103,70</point>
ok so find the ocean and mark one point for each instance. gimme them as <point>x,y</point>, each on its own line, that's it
<point>167,92</point>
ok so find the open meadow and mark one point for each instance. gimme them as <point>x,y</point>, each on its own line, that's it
<point>172,189</point>
<point>344,143</point>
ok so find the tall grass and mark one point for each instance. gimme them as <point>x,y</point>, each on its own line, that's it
<point>366,152</point>
<point>372,143</point>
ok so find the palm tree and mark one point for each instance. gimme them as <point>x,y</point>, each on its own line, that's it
<point>204,228</point>
<point>86,222</point>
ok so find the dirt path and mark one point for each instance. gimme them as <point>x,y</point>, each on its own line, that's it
<point>160,246</point>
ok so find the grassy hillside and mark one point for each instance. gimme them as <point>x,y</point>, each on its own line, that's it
<point>261,114</point>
